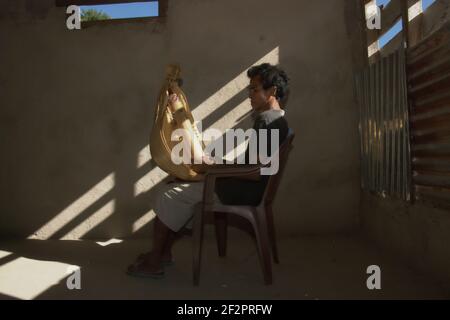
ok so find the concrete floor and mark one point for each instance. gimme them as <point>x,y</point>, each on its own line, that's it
<point>312,267</point>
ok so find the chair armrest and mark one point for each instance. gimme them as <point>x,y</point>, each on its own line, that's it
<point>221,168</point>
<point>232,170</point>
<point>222,171</point>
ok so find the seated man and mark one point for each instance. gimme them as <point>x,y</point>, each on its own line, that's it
<point>176,204</point>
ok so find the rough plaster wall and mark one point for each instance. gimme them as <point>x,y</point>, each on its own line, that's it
<point>417,233</point>
<point>77,109</point>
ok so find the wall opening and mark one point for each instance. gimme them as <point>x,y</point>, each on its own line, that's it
<point>119,11</point>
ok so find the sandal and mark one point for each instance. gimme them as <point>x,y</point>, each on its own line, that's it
<point>165,263</point>
<point>136,270</point>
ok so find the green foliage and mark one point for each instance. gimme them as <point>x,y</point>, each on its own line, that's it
<point>93,15</point>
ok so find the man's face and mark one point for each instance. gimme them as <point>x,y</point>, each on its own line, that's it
<point>259,98</point>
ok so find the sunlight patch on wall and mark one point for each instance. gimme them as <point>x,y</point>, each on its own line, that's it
<point>415,10</point>
<point>75,209</point>
<point>142,221</point>
<point>94,220</point>
<point>237,113</point>
<point>372,49</point>
<point>232,88</point>
<point>153,177</point>
<point>143,156</point>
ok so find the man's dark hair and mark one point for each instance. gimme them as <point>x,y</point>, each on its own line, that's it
<point>270,76</point>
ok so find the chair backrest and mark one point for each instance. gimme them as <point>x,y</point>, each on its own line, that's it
<point>274,180</point>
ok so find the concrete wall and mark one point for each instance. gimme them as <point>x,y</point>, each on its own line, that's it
<point>418,233</point>
<point>77,108</point>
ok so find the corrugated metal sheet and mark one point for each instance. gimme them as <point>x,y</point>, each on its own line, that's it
<point>384,127</point>
<point>428,66</point>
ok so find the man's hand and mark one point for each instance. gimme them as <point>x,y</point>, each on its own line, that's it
<point>173,98</point>
<point>174,103</point>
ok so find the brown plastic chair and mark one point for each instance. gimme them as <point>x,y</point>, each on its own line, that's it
<point>260,216</point>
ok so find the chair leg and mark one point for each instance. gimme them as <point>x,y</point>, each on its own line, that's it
<point>197,234</point>
<point>221,224</point>
<point>260,227</point>
<point>272,235</point>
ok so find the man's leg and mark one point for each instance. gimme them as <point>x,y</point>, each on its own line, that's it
<point>162,243</point>
<point>151,262</point>
<point>179,198</point>
<point>167,252</point>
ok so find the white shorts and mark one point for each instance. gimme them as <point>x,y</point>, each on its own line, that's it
<point>177,202</point>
